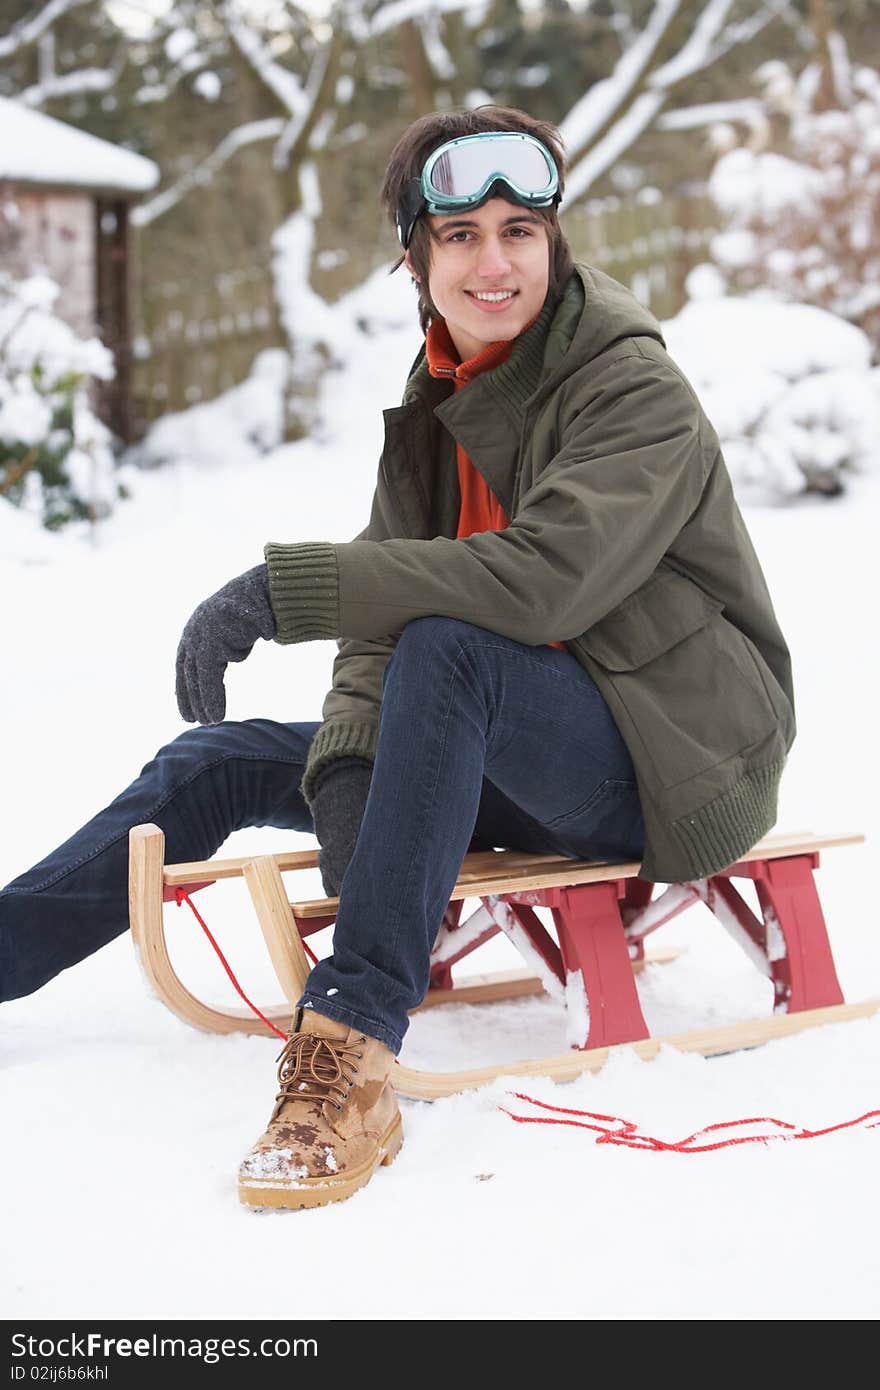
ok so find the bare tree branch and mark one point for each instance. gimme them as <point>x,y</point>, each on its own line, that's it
<point>202,173</point>
<point>622,23</point>
<point>27,31</point>
<point>695,55</point>
<point>601,104</point>
<point>620,136</point>
<point>616,112</point>
<point>284,85</point>
<point>436,52</point>
<point>321,73</point>
<point>748,110</point>
<point>398,11</point>
<point>73,83</point>
<point>745,30</point>
<point>189,67</point>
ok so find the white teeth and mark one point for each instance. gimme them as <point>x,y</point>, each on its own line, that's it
<point>492,296</point>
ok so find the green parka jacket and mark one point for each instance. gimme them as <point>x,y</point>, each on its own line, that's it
<point>625,542</point>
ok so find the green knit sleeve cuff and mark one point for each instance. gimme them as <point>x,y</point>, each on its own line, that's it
<point>303,590</point>
<point>338,738</point>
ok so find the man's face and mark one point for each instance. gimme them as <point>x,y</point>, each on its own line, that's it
<point>477,255</point>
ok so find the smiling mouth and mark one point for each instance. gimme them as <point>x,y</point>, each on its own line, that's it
<point>492,296</point>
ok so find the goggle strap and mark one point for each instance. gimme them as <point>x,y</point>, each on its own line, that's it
<point>412,203</point>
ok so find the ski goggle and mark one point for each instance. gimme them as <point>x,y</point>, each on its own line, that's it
<point>466,172</point>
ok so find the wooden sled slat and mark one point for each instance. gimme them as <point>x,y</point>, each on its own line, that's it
<point>146,847</point>
<point>480,864</point>
<point>571,872</point>
<point>195,870</point>
<point>484,989</point>
<point>283,941</point>
<point>713,1042</point>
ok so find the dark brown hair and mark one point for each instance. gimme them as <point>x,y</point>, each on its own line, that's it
<point>421,138</point>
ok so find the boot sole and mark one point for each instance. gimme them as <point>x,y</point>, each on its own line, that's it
<point>318,1192</point>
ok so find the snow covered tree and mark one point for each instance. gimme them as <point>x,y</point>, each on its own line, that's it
<point>802,211</point>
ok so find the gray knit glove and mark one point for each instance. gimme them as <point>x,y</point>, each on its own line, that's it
<point>223,628</point>
<point>337,808</point>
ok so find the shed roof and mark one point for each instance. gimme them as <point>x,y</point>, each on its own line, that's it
<point>37,149</point>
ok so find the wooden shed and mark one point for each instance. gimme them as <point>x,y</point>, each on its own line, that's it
<point>71,194</point>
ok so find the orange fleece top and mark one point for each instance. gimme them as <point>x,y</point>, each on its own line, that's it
<point>480,508</point>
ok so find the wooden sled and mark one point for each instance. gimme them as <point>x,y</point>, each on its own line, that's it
<point>602,914</point>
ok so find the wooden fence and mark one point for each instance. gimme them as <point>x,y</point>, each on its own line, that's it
<point>197,339</point>
<point>648,245</point>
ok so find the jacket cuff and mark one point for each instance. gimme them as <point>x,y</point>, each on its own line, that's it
<point>337,739</point>
<point>303,590</point>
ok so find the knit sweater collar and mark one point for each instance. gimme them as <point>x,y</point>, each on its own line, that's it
<point>444,359</point>
<point>516,377</point>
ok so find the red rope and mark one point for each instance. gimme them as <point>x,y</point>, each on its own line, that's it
<point>181,896</point>
<point>627,1133</point>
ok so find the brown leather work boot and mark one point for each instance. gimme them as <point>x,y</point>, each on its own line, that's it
<point>335,1120</point>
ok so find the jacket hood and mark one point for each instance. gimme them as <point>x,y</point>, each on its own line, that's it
<point>593,313</point>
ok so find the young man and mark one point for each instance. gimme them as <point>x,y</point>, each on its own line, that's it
<point>553,634</point>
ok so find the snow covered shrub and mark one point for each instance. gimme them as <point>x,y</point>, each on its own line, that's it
<point>802,221</point>
<point>56,460</point>
<point>789,388</point>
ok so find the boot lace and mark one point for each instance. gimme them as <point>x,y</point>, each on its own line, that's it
<point>314,1068</point>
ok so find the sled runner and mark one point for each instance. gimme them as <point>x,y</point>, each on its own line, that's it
<point>602,914</point>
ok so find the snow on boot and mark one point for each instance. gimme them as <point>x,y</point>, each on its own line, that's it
<point>335,1120</point>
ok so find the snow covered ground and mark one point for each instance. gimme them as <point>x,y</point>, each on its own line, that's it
<point>123,1128</point>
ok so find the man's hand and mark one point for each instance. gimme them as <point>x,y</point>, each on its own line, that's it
<point>222,629</point>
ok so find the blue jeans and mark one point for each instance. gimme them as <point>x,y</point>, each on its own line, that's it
<point>483,743</point>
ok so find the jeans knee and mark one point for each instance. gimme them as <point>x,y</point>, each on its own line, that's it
<point>194,743</point>
<point>433,635</point>
<point>231,738</point>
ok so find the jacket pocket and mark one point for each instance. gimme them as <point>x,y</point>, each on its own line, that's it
<point>681,680</point>
<point>665,610</point>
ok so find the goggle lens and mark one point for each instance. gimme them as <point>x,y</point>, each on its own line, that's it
<point>461,170</point>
